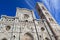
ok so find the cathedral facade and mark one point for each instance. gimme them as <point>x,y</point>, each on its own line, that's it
<point>25,26</point>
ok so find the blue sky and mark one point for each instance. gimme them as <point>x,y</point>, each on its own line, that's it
<point>8,7</point>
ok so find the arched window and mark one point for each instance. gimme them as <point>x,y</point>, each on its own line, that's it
<point>43,8</point>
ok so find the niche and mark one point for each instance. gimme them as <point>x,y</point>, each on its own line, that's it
<point>46,38</point>
<point>4,39</point>
<point>28,36</point>
<point>42,28</point>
